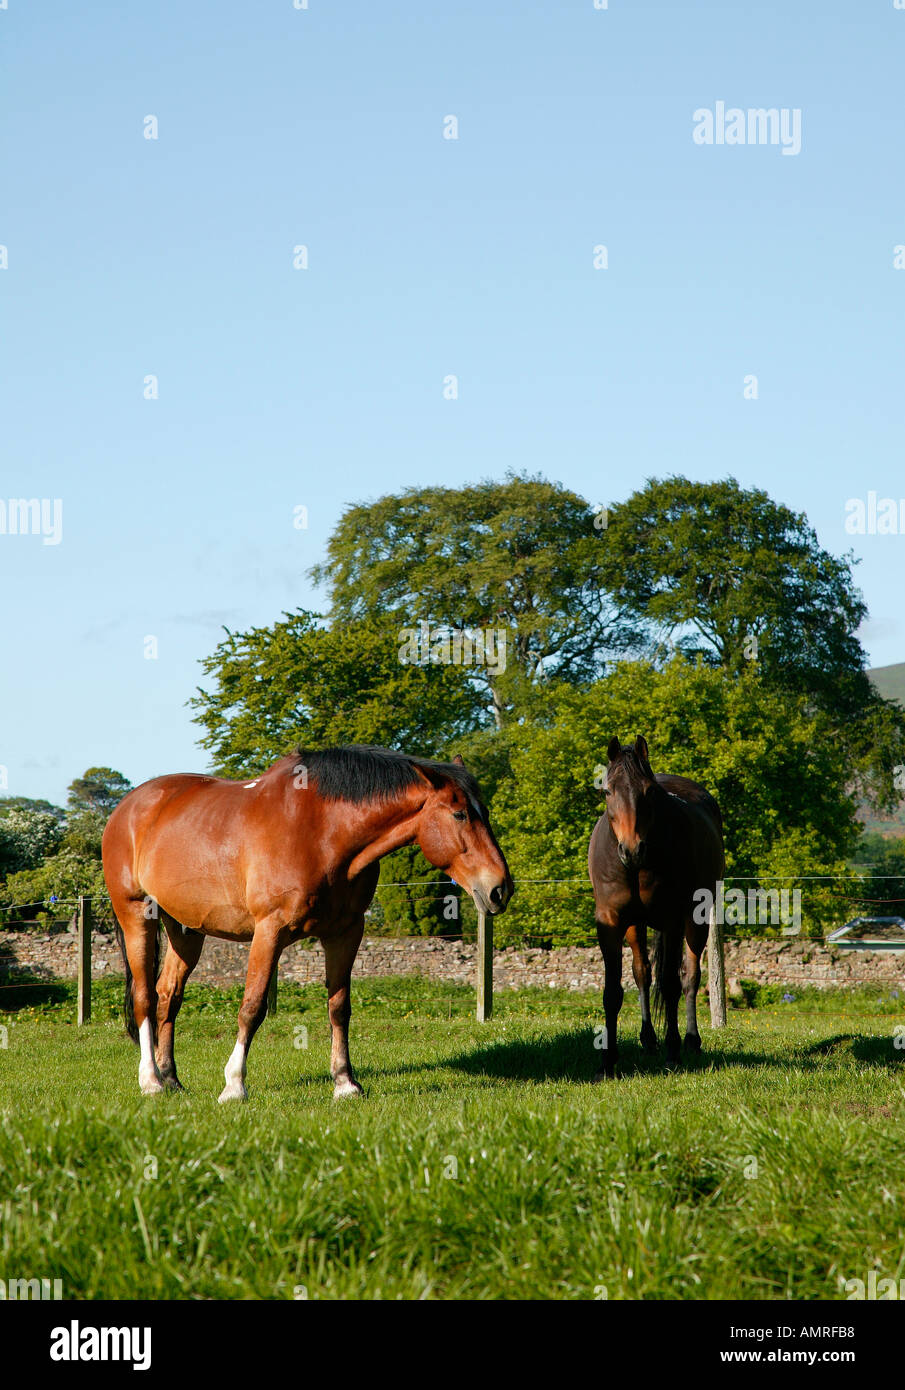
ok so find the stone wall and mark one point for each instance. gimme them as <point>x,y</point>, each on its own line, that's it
<point>577,968</point>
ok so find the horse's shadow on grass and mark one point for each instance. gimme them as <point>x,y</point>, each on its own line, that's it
<point>570,1056</point>
<point>23,989</point>
<point>878,1051</point>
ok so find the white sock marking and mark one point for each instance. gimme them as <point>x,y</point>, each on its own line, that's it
<point>148,1075</point>
<point>234,1072</point>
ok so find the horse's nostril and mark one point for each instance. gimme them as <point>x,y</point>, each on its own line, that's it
<point>496,896</point>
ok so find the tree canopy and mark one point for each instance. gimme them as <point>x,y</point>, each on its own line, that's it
<point>523,555</point>
<point>99,789</point>
<point>726,574</point>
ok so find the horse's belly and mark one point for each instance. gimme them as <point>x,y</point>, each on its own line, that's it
<point>202,906</point>
<point>656,905</point>
<point>664,910</point>
<point>198,881</point>
<point>228,922</point>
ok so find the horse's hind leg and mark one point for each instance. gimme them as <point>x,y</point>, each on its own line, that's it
<point>637,940</point>
<point>182,956</point>
<point>695,940</point>
<point>339,954</point>
<point>140,940</point>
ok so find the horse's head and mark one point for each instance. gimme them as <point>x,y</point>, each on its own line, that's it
<point>630,792</point>
<point>454,834</point>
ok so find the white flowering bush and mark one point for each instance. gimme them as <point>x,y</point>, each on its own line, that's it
<point>26,839</point>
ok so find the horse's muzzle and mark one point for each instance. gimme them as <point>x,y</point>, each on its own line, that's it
<point>633,858</point>
<point>495,901</point>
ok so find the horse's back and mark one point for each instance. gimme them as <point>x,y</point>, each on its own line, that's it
<point>142,806</point>
<point>704,816</point>
<point>692,793</point>
<point>166,812</point>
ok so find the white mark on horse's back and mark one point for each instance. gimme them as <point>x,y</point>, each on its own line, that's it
<point>248,785</point>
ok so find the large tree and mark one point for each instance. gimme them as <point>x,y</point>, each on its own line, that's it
<point>709,566</point>
<point>725,573</point>
<point>97,791</point>
<point>523,556</point>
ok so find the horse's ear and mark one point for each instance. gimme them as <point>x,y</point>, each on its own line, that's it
<point>641,749</point>
<point>434,778</point>
<point>613,748</point>
<point>459,760</point>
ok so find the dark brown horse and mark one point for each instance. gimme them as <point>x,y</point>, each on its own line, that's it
<point>659,844</point>
<point>290,854</point>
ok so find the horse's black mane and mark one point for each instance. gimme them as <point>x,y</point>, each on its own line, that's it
<point>628,761</point>
<point>359,772</point>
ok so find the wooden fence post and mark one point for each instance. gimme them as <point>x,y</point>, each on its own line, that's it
<point>485,968</point>
<point>272,993</point>
<point>84,950</point>
<point>716,972</point>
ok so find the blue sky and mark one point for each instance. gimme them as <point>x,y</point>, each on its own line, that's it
<point>281,388</point>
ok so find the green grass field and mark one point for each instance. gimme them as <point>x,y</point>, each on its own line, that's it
<point>481,1163</point>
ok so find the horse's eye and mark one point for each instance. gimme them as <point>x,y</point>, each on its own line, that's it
<point>460,815</point>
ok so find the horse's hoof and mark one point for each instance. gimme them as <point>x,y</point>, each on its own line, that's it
<point>151,1084</point>
<point>604,1075</point>
<point>692,1043</point>
<point>649,1043</point>
<point>346,1088</point>
<point>232,1092</point>
<point>172,1083</point>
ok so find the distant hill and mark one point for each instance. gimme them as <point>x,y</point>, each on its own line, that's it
<point>890,683</point>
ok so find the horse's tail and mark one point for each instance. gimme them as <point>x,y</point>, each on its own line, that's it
<point>128,1000</point>
<point>128,1007</point>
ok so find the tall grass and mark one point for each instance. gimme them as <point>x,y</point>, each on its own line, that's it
<point>480,1164</point>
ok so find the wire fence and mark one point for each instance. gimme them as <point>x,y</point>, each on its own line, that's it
<point>442,889</point>
<point>57,914</point>
<point>852,894</point>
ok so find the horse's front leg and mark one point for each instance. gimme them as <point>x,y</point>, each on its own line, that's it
<point>266,945</point>
<point>670,985</point>
<point>339,953</point>
<point>610,938</point>
<point>637,940</point>
<point>695,941</point>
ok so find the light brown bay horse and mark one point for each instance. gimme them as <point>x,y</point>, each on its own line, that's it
<point>290,854</point>
<point>658,846</point>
